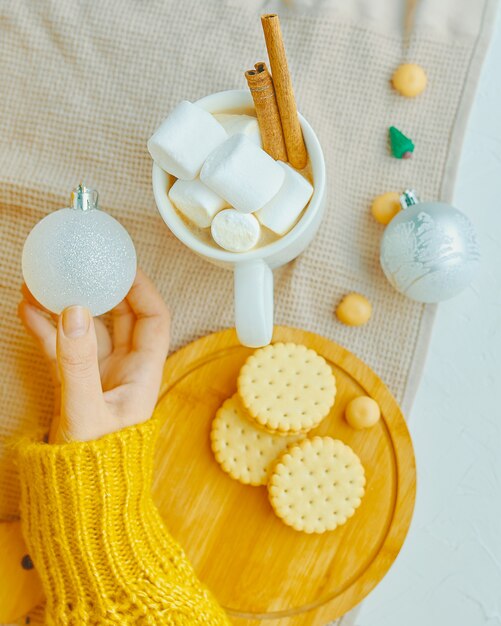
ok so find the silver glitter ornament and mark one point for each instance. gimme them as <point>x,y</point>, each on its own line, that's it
<point>429,251</point>
<point>79,256</point>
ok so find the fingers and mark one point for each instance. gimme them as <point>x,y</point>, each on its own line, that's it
<point>82,404</point>
<point>123,319</point>
<point>104,343</point>
<point>40,328</point>
<point>152,330</point>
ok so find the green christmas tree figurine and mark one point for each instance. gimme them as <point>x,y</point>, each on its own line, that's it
<point>401,146</point>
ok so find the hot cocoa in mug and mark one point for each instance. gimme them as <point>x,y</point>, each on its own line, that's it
<point>266,216</point>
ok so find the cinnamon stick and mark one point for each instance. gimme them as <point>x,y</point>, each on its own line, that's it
<point>294,142</point>
<point>268,117</point>
<point>409,19</point>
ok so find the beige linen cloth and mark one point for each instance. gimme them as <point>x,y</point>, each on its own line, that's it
<point>83,84</point>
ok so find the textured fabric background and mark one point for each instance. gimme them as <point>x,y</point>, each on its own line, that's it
<point>84,84</point>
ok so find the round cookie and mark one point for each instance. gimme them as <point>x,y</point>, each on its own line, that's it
<point>385,207</point>
<point>409,79</point>
<point>316,485</point>
<point>287,388</point>
<point>243,451</point>
<point>354,310</point>
<point>362,412</point>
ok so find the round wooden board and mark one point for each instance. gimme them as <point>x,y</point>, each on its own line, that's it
<point>257,567</point>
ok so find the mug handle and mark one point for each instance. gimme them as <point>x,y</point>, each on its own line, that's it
<point>254,303</point>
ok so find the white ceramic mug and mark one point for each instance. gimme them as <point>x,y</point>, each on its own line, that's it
<point>253,276</point>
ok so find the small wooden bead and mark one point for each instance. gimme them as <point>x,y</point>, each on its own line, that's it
<point>354,310</point>
<point>385,207</point>
<point>409,80</point>
<point>362,412</point>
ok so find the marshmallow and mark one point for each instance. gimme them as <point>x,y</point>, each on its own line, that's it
<point>234,231</point>
<point>245,124</point>
<point>185,139</point>
<point>281,212</point>
<point>196,201</point>
<point>243,174</point>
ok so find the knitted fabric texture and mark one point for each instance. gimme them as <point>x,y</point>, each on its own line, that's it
<point>97,540</point>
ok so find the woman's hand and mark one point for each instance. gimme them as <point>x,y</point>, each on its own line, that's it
<point>104,384</point>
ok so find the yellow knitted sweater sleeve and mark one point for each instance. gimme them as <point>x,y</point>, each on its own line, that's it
<point>98,541</point>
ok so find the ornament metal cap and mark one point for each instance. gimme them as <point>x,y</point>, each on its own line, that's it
<point>84,198</point>
<point>408,198</point>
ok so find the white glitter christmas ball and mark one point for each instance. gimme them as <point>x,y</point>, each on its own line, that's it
<point>79,256</point>
<point>429,251</point>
